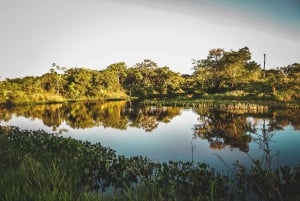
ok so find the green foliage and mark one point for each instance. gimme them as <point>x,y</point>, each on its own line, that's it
<point>36,182</point>
<point>284,82</point>
<point>221,72</point>
<point>38,166</point>
<point>146,79</point>
<point>225,71</point>
<point>40,163</point>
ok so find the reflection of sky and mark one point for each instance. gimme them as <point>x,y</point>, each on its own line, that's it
<point>25,123</point>
<point>287,143</point>
<point>172,141</point>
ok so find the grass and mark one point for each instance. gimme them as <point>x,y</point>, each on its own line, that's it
<point>220,102</point>
<point>33,181</point>
<point>35,165</point>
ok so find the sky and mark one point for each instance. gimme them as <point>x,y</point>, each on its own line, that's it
<point>96,33</point>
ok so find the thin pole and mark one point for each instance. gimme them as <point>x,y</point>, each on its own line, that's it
<point>264,65</point>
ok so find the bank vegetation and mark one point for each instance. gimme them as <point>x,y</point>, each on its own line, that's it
<point>222,75</point>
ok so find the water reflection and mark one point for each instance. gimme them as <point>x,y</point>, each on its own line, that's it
<point>171,133</point>
<point>148,117</point>
<point>116,115</point>
<point>221,126</point>
<point>263,136</point>
<point>224,128</point>
<point>237,128</point>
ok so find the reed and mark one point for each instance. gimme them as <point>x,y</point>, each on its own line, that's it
<point>222,104</point>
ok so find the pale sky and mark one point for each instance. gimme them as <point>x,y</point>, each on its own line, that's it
<point>95,33</point>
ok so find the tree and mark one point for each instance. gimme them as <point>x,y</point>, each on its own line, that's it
<point>285,82</point>
<point>31,84</point>
<point>208,72</point>
<point>224,70</point>
<point>146,79</point>
<point>139,79</point>
<point>58,70</point>
<point>146,68</point>
<point>120,71</point>
<point>214,57</point>
<point>78,82</point>
<point>134,82</point>
<point>167,82</point>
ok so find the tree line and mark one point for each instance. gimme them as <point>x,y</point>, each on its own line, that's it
<point>231,73</point>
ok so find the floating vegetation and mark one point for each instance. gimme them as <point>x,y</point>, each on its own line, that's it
<point>35,165</point>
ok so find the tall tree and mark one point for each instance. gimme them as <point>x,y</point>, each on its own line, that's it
<point>120,71</point>
<point>58,70</point>
<point>224,70</point>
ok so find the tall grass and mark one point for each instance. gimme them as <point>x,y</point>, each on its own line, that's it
<point>223,103</point>
<point>33,181</point>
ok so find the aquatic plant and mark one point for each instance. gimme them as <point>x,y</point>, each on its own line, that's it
<point>35,165</point>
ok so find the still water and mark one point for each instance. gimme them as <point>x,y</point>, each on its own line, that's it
<point>218,136</point>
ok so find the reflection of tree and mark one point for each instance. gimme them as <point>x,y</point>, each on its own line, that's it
<point>5,115</point>
<point>113,114</point>
<point>285,117</point>
<point>231,127</point>
<point>51,115</point>
<point>165,114</point>
<point>263,136</point>
<point>87,115</point>
<point>147,122</point>
<point>149,117</point>
<point>266,178</point>
<point>79,116</point>
<point>227,124</point>
<point>224,128</point>
<point>221,128</point>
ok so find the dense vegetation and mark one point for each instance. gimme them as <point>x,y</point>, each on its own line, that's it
<point>229,73</point>
<point>38,166</point>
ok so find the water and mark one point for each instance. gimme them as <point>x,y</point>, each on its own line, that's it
<point>216,137</point>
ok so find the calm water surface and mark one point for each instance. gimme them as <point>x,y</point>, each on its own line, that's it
<point>215,136</point>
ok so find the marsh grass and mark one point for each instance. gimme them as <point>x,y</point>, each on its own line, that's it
<point>35,165</point>
<point>222,103</point>
<point>33,181</point>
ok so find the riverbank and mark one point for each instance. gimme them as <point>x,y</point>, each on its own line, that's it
<point>222,101</point>
<point>186,100</point>
<point>53,99</point>
<point>36,165</point>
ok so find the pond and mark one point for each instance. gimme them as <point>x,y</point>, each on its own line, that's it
<point>217,135</point>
